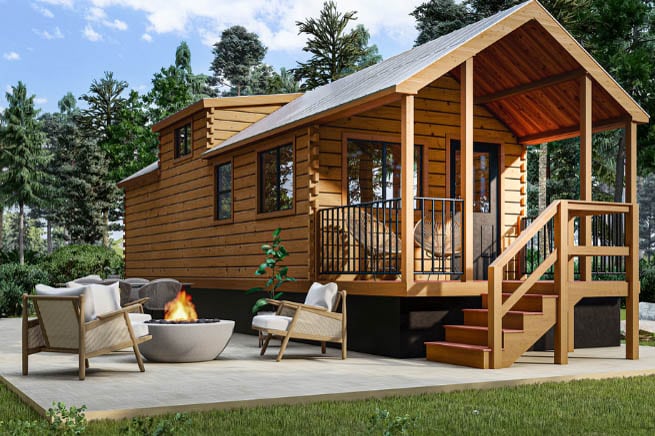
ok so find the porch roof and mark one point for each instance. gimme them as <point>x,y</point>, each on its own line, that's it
<point>537,49</point>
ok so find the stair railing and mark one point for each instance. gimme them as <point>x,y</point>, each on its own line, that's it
<point>563,213</point>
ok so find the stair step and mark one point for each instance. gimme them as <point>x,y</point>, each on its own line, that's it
<point>476,356</point>
<point>471,334</point>
<point>514,319</point>
<point>527,303</point>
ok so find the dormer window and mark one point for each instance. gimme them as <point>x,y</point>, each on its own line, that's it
<point>183,140</point>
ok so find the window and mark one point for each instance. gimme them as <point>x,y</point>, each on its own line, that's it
<point>374,170</point>
<point>224,191</point>
<point>276,179</point>
<point>183,141</point>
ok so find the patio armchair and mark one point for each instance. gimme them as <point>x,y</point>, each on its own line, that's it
<point>317,319</point>
<point>67,323</point>
<point>439,239</point>
<point>159,292</point>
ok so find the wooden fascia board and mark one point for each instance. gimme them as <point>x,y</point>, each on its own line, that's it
<point>571,132</point>
<point>225,102</point>
<point>350,108</point>
<point>531,11</point>
<point>468,49</point>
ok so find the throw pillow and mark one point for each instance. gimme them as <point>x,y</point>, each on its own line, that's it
<point>322,295</point>
<point>70,292</point>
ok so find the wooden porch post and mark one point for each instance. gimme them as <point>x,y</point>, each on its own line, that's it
<point>407,189</point>
<point>632,240</point>
<point>562,238</point>
<point>466,165</point>
<point>585,171</point>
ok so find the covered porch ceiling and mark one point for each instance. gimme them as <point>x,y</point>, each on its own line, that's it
<point>532,84</point>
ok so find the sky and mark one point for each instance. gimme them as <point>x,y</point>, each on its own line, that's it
<point>56,46</point>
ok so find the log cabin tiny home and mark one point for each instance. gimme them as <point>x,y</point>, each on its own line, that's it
<point>406,183</point>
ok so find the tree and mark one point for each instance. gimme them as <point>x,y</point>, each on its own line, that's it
<point>436,18</point>
<point>22,181</point>
<point>106,101</point>
<point>176,87</point>
<point>235,56</point>
<point>335,52</point>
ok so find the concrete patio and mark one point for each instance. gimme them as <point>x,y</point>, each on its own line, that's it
<point>114,387</point>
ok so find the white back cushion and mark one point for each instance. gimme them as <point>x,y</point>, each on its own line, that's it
<point>106,298</point>
<point>322,295</point>
<point>70,292</point>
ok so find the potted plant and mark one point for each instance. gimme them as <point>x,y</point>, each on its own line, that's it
<point>276,275</point>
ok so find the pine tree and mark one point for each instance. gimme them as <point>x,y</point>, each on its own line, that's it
<point>23,181</point>
<point>335,52</point>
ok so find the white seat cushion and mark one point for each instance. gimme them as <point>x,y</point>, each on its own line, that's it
<point>322,295</point>
<point>89,311</point>
<point>271,322</point>
<point>140,329</point>
<point>139,317</point>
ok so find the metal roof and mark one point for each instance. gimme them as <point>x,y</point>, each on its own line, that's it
<point>142,172</point>
<point>368,81</point>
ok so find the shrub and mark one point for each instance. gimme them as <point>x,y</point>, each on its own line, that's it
<point>74,261</point>
<point>647,279</point>
<point>25,276</point>
<point>10,299</point>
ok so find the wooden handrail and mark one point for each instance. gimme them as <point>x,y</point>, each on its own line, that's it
<point>526,235</point>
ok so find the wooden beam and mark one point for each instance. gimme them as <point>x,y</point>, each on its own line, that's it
<point>571,132</point>
<point>466,164</point>
<point>631,162</point>
<point>529,87</point>
<point>407,189</point>
<point>585,171</point>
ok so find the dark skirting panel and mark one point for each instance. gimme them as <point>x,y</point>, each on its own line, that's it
<point>398,327</point>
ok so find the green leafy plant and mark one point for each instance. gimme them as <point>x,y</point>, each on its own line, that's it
<point>60,421</point>
<point>275,253</point>
<point>149,426</point>
<point>11,303</point>
<point>381,422</point>
<point>66,420</point>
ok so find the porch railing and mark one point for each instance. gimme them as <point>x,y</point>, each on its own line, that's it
<point>606,230</point>
<point>365,238</point>
<point>438,235</point>
<point>361,238</point>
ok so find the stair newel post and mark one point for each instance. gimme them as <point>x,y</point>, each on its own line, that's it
<point>562,238</point>
<point>495,316</point>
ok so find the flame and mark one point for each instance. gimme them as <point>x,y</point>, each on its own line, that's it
<point>180,308</point>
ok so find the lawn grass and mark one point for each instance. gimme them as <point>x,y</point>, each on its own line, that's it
<point>592,406</point>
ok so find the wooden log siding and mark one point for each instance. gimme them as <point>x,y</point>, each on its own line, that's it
<point>437,119</point>
<point>170,227</point>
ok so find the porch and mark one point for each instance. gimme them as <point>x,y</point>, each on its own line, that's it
<point>410,242</point>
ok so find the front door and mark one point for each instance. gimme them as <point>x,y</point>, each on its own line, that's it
<point>485,202</point>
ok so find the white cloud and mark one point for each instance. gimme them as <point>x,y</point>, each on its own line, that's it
<point>273,20</point>
<point>40,100</point>
<point>98,15</point>
<point>64,3</point>
<point>56,33</point>
<point>11,56</point>
<point>91,34</point>
<point>42,10</point>
<point>8,89</point>
<point>146,37</point>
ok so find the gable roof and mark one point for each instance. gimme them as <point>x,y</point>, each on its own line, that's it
<point>412,70</point>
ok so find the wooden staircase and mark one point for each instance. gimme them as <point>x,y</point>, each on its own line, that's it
<point>530,318</point>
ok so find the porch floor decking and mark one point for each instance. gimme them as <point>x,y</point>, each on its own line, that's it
<point>240,378</point>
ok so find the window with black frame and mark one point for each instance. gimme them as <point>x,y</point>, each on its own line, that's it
<point>276,179</point>
<point>224,191</point>
<point>374,170</point>
<point>182,140</point>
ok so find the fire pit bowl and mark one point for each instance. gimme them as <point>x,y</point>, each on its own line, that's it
<point>195,341</point>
